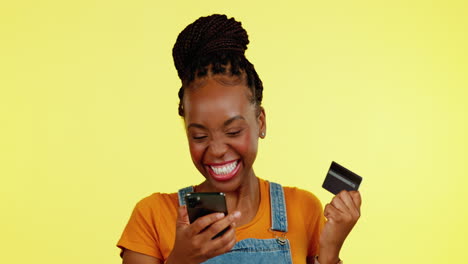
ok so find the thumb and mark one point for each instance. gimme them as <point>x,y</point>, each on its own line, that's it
<point>182,216</point>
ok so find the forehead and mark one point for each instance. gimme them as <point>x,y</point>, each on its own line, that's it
<point>216,99</point>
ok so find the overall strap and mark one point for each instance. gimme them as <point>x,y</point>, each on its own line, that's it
<point>182,193</point>
<point>279,219</point>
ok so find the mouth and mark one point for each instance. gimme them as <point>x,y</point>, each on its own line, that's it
<point>224,171</point>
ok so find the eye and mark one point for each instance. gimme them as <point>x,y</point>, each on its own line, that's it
<point>199,137</point>
<point>234,133</point>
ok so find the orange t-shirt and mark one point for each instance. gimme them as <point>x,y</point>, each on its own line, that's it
<point>151,228</point>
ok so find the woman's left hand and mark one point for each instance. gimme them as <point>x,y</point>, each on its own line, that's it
<point>342,214</point>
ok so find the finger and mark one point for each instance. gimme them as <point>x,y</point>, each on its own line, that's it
<point>222,224</point>
<point>331,213</point>
<point>348,201</point>
<point>326,211</point>
<point>338,203</point>
<point>356,196</point>
<point>211,248</point>
<point>225,242</point>
<point>201,223</point>
<point>182,216</point>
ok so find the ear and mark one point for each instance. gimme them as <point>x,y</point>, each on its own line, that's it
<point>261,119</point>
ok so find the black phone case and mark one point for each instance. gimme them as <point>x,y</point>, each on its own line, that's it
<point>204,203</point>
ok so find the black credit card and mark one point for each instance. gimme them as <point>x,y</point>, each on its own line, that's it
<point>339,178</point>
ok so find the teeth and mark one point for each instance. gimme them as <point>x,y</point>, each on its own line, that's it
<point>225,169</point>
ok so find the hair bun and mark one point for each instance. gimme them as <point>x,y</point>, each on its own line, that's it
<point>208,35</point>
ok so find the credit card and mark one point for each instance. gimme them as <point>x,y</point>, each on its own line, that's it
<point>339,178</point>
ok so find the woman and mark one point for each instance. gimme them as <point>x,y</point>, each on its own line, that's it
<point>220,102</point>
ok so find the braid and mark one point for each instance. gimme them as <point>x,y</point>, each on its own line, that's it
<point>214,44</point>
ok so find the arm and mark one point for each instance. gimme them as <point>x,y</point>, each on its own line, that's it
<point>193,244</point>
<point>342,214</point>
<point>132,257</point>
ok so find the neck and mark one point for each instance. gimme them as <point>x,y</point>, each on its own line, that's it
<point>246,199</point>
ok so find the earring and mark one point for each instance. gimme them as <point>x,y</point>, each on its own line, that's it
<point>262,134</point>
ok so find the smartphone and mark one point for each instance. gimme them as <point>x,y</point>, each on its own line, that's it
<point>203,203</point>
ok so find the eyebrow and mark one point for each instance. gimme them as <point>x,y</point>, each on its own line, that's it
<point>226,123</point>
<point>232,119</point>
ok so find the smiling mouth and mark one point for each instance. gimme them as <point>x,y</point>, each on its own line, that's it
<point>224,171</point>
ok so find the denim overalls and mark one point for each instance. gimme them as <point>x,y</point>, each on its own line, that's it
<point>258,251</point>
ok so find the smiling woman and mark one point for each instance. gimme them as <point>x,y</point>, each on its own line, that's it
<point>223,128</point>
<point>220,101</point>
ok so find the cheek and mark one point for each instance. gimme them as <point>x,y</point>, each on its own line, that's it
<point>196,152</point>
<point>247,145</point>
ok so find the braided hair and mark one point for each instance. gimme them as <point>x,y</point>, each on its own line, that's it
<point>214,44</point>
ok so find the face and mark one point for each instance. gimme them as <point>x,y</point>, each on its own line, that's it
<point>223,128</point>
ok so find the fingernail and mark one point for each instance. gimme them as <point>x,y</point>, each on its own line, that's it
<point>237,214</point>
<point>220,215</point>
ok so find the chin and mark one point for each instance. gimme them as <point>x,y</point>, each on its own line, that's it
<point>227,186</point>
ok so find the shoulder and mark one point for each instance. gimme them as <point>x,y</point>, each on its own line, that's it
<point>297,198</point>
<point>301,198</point>
<point>157,202</point>
<point>304,208</point>
<point>150,225</point>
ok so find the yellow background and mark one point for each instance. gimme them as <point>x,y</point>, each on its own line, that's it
<point>89,125</point>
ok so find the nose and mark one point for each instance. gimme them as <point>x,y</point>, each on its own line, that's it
<point>217,148</point>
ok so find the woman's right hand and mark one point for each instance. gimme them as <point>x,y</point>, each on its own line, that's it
<point>194,243</point>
